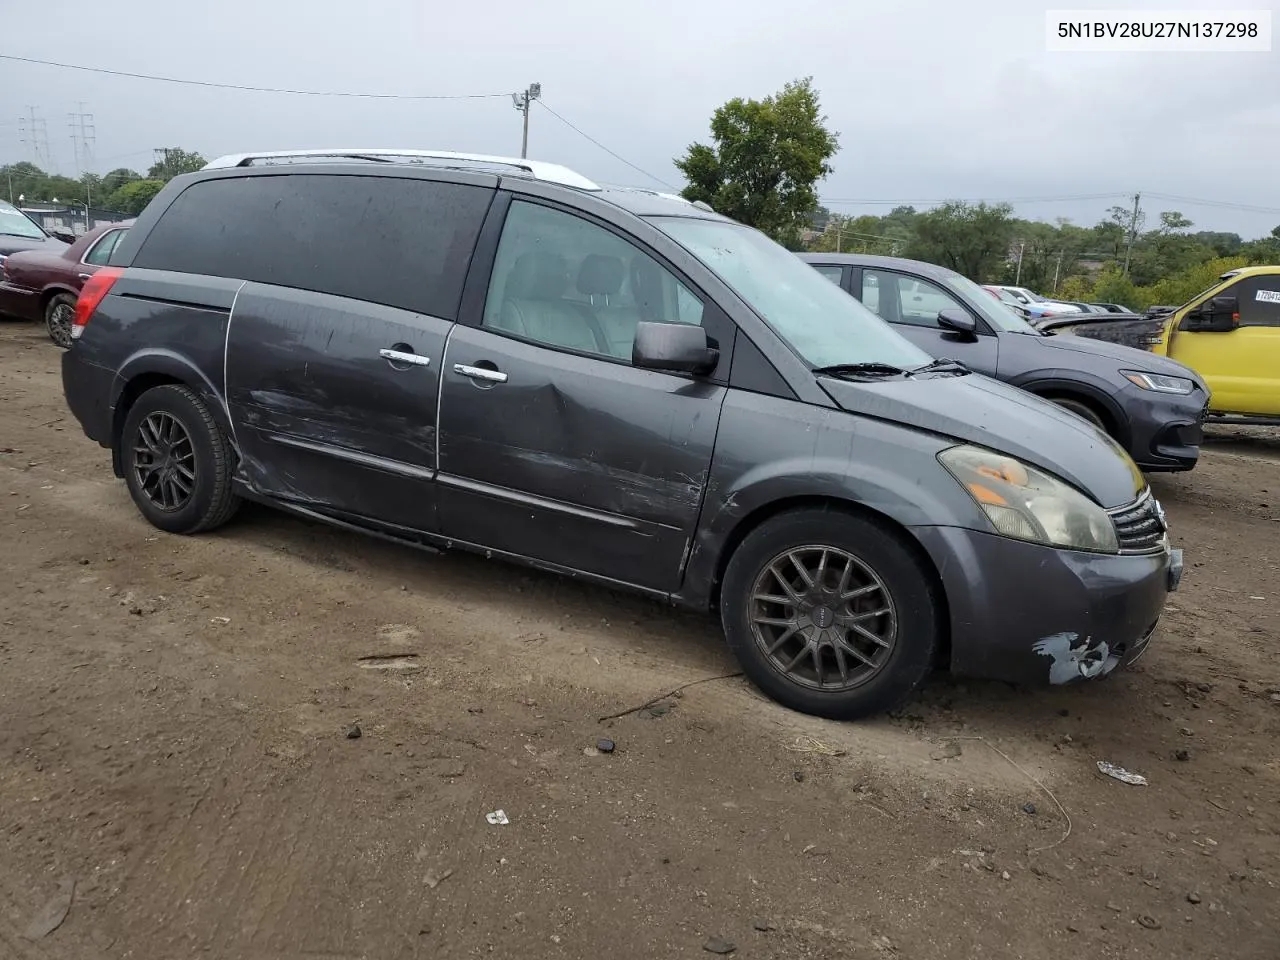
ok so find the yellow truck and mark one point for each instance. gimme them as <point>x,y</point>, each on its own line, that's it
<point>1229,334</point>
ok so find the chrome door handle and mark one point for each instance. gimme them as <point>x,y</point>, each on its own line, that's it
<point>85,276</point>
<point>480,373</point>
<point>399,356</point>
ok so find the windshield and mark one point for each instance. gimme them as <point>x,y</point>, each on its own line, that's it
<point>821,322</point>
<point>15,223</point>
<point>994,311</point>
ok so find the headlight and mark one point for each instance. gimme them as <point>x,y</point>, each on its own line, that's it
<point>1158,382</point>
<point>1028,504</point>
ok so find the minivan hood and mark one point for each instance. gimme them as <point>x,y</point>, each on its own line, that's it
<point>982,411</point>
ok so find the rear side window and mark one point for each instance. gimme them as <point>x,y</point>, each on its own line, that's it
<point>400,242</point>
<point>100,255</point>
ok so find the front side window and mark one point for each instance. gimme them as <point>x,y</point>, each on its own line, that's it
<point>566,282</point>
<point>100,253</point>
<point>1259,300</point>
<point>902,299</point>
<point>821,323</point>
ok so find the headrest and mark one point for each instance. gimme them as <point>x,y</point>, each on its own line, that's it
<point>600,274</point>
<point>538,275</point>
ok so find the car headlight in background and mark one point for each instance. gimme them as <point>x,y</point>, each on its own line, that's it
<point>1159,382</point>
<point>1027,504</point>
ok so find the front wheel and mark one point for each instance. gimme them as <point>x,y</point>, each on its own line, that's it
<point>1081,410</point>
<point>58,316</point>
<point>830,614</point>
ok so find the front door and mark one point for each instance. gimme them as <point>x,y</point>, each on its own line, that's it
<point>552,446</point>
<point>1241,366</point>
<point>912,305</point>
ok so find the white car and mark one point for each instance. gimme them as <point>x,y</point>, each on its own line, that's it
<point>1047,307</point>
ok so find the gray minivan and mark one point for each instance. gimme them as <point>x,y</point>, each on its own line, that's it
<point>500,355</point>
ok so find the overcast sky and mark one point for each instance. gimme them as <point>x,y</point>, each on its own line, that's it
<point>933,99</point>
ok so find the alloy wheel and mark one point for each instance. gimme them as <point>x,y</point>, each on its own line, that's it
<point>823,618</point>
<point>164,461</point>
<point>60,320</point>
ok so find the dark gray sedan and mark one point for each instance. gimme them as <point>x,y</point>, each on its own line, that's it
<point>1152,406</point>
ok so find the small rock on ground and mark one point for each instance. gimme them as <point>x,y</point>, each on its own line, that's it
<point>719,945</point>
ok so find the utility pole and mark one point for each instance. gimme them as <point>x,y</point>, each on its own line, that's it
<point>1056,267</point>
<point>1017,279</point>
<point>522,101</point>
<point>1133,229</point>
<point>33,130</point>
<point>82,137</point>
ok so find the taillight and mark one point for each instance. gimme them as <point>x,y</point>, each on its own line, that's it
<point>93,293</point>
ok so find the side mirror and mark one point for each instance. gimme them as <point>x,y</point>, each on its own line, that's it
<point>1219,315</point>
<point>676,347</point>
<point>66,236</point>
<point>958,321</point>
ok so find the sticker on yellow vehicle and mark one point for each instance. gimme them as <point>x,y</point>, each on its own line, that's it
<point>1269,296</point>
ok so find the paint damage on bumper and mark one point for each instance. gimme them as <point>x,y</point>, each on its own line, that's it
<point>1027,613</point>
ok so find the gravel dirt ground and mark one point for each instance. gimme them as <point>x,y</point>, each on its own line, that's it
<point>178,778</point>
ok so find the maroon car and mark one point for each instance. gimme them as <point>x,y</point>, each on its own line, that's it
<point>42,286</point>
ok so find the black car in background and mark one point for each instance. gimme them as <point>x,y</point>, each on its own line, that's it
<point>1152,406</point>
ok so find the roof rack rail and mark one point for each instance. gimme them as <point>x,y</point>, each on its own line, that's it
<point>537,169</point>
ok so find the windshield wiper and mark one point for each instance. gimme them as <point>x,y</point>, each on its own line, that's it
<point>942,365</point>
<point>870,369</point>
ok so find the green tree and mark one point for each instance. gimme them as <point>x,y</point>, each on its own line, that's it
<point>1180,287</point>
<point>134,196</point>
<point>971,239</point>
<point>174,162</point>
<point>767,158</point>
<point>117,178</point>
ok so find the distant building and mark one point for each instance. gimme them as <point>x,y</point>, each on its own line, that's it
<point>61,216</point>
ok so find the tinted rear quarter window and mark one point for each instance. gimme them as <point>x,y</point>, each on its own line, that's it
<point>397,241</point>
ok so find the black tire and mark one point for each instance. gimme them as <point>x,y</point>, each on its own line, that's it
<point>211,501</point>
<point>58,314</point>
<point>1082,410</point>
<point>912,595</point>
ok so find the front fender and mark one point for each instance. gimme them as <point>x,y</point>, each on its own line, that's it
<point>1080,384</point>
<point>773,453</point>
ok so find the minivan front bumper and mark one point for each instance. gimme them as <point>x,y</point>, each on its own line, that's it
<point>1027,613</point>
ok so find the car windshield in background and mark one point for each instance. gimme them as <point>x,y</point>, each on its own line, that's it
<point>996,312</point>
<point>15,223</point>
<point>821,322</point>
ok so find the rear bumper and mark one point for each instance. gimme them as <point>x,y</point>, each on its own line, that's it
<point>19,302</point>
<point>87,388</point>
<point>1031,614</point>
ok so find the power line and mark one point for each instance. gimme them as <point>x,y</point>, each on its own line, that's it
<point>254,89</point>
<point>913,200</point>
<point>1219,204</point>
<point>587,136</point>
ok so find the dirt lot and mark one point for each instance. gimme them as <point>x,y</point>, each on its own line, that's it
<point>174,716</point>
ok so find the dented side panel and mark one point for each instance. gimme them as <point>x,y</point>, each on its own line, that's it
<point>321,417</point>
<point>771,450</point>
<point>574,460</point>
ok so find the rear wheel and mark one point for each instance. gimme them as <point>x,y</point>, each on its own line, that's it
<point>830,614</point>
<point>177,461</point>
<point>58,316</point>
